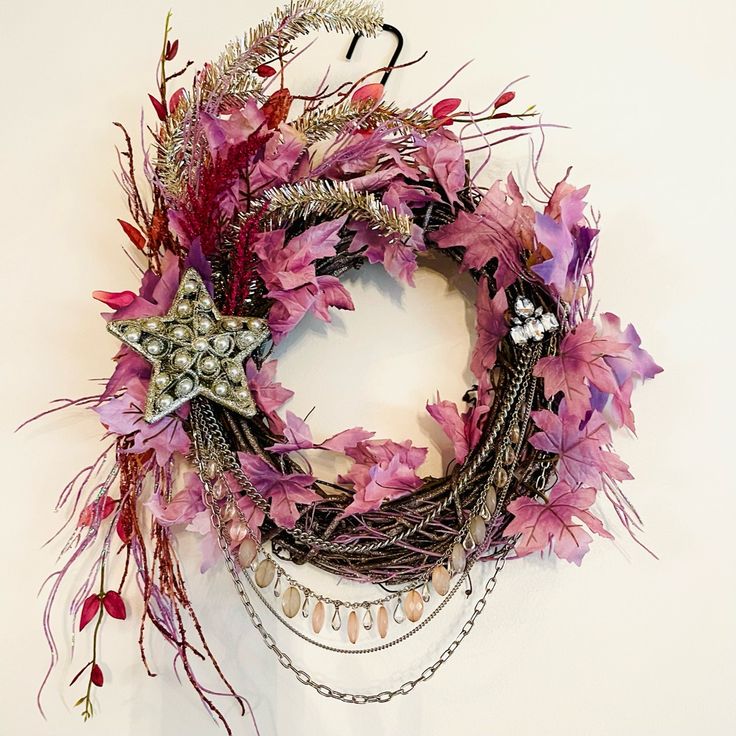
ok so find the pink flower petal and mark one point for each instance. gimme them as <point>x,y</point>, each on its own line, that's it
<point>504,99</point>
<point>114,299</point>
<point>445,107</point>
<point>114,604</point>
<point>158,107</point>
<point>90,607</point>
<point>372,92</point>
<point>96,676</point>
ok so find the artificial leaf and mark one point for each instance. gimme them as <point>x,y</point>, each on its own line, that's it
<point>90,608</point>
<point>183,507</point>
<point>368,93</point>
<point>284,490</point>
<point>464,430</point>
<point>633,361</point>
<point>98,510</point>
<point>564,239</point>
<point>504,99</point>
<point>291,306</point>
<point>499,228</point>
<point>580,362</point>
<point>288,266</point>
<point>124,416</point>
<point>445,107</point>
<point>491,327</point>
<point>134,234</point>
<point>299,437</point>
<point>444,158</point>
<point>114,604</point>
<point>268,394</point>
<point>114,299</point>
<point>383,470</point>
<point>579,447</point>
<point>552,525</point>
<point>96,675</point>
<point>446,414</point>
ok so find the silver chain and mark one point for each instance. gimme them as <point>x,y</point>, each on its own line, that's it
<point>231,464</point>
<point>284,659</point>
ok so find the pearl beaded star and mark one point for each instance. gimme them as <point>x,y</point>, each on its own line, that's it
<point>194,351</point>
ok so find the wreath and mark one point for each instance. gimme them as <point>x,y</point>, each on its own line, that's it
<point>260,200</point>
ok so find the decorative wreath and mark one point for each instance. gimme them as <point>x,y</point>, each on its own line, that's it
<point>260,200</point>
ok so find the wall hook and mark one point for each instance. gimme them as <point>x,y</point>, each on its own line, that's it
<point>399,45</point>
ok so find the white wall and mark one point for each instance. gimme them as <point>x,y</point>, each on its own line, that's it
<point>624,645</point>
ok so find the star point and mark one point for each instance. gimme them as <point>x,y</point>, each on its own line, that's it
<point>194,351</point>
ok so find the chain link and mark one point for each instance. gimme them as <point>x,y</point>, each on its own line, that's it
<point>468,473</point>
<point>282,657</point>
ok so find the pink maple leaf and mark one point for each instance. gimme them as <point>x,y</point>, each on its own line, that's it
<point>267,393</point>
<point>552,525</point>
<point>500,227</point>
<point>383,470</point>
<point>580,362</point>
<point>378,483</point>
<point>444,157</point>
<point>155,294</point>
<point>399,257</point>
<point>293,305</point>
<point>123,416</point>
<point>299,437</point>
<point>184,505</point>
<point>376,451</point>
<point>128,365</point>
<point>284,490</point>
<point>464,430</point>
<point>633,360</point>
<point>201,523</point>
<point>491,327</point>
<point>289,266</point>
<point>579,446</point>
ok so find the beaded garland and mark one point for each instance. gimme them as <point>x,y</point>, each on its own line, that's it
<point>262,199</point>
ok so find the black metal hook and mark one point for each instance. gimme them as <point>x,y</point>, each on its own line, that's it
<point>399,45</point>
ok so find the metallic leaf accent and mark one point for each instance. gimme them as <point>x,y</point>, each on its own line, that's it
<point>327,198</point>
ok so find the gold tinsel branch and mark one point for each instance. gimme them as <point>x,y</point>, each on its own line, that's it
<point>231,79</point>
<point>331,199</point>
<point>322,123</point>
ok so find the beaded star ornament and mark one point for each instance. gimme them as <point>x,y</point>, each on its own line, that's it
<point>261,198</point>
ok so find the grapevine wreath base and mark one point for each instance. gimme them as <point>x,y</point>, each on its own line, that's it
<point>261,199</point>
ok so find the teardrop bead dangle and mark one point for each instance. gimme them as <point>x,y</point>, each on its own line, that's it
<point>477,529</point>
<point>318,617</point>
<point>367,619</point>
<point>413,606</point>
<point>468,542</point>
<point>305,607</point>
<point>484,513</point>
<point>382,621</point>
<point>491,499</point>
<point>399,616</point>
<point>426,595</point>
<point>291,602</point>
<point>457,558</point>
<point>353,628</point>
<point>264,573</point>
<point>441,580</point>
<point>336,622</point>
<point>509,455</point>
<point>277,586</point>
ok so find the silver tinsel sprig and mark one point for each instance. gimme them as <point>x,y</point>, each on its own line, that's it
<point>231,77</point>
<point>331,199</point>
<point>322,123</point>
